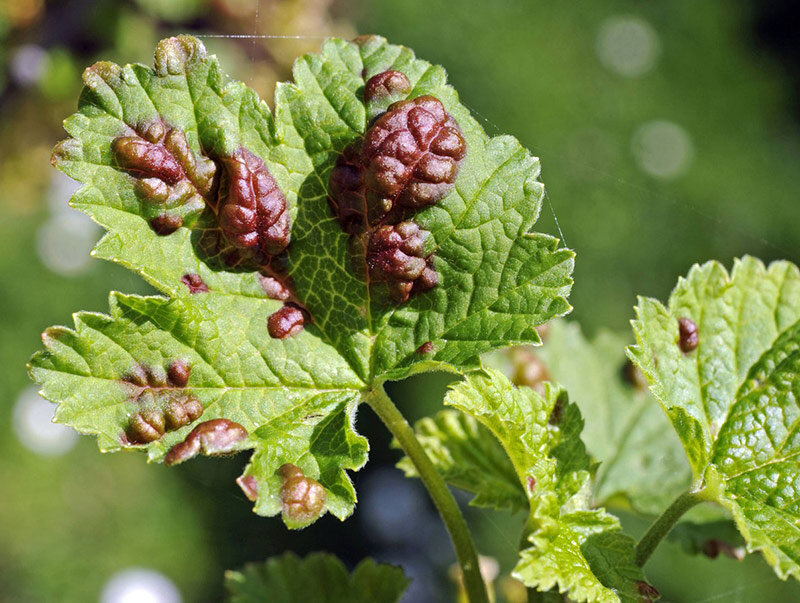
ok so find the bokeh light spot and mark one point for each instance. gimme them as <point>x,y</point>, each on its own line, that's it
<point>662,149</point>
<point>34,427</point>
<point>627,45</point>
<point>28,64</point>
<point>138,585</point>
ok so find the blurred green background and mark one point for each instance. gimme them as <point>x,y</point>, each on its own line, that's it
<point>668,134</point>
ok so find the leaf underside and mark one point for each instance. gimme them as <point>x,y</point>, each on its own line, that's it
<point>733,399</point>
<point>296,397</point>
<point>319,577</point>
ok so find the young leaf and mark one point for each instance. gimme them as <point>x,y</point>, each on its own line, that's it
<point>628,433</point>
<point>320,577</point>
<point>730,392</point>
<point>200,187</point>
<point>577,549</point>
<point>469,457</point>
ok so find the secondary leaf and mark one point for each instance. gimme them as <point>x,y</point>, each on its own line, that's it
<point>628,432</point>
<point>161,151</point>
<point>469,457</point>
<point>577,549</point>
<point>319,577</point>
<point>732,396</point>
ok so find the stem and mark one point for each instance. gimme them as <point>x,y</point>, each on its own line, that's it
<point>438,491</point>
<point>664,524</point>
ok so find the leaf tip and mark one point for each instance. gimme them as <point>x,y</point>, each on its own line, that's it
<point>174,56</point>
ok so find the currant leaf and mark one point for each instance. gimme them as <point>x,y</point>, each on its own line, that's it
<point>628,435</point>
<point>575,548</point>
<point>318,577</point>
<point>730,392</point>
<point>266,298</point>
<point>469,457</point>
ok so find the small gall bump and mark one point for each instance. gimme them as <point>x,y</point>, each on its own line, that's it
<point>145,427</point>
<point>286,322</point>
<point>249,486</point>
<point>633,376</point>
<point>558,410</point>
<point>138,376</point>
<point>715,547</point>
<point>688,336</point>
<point>178,373</point>
<point>531,483</point>
<point>165,224</point>
<point>194,283</point>
<point>302,498</point>
<point>211,438</point>
<point>389,83</point>
<point>395,255</point>
<point>273,288</point>
<point>175,55</point>
<point>529,370</point>
<point>425,349</point>
<point>647,591</point>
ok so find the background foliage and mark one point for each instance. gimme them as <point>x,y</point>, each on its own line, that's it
<point>705,89</point>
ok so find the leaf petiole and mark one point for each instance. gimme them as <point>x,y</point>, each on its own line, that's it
<point>665,522</point>
<point>453,519</point>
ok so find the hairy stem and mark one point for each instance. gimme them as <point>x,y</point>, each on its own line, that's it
<point>664,524</point>
<point>438,491</point>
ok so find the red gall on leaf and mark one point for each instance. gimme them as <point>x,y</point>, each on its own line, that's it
<point>408,160</point>
<point>171,181</point>
<point>302,498</point>
<point>386,84</point>
<point>249,486</point>
<point>178,373</point>
<point>411,155</point>
<point>647,591</point>
<point>212,438</point>
<point>252,209</point>
<point>396,255</point>
<point>194,283</point>
<point>162,407</point>
<point>688,336</point>
<point>273,288</point>
<point>287,321</point>
<point>425,349</point>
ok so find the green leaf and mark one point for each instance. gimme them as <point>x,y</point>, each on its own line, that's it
<point>295,397</point>
<point>628,433</point>
<point>577,549</point>
<point>732,400</point>
<point>469,457</point>
<point>320,577</point>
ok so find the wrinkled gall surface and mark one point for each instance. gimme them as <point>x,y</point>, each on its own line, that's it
<point>411,154</point>
<point>408,160</point>
<point>212,438</point>
<point>252,209</point>
<point>162,406</point>
<point>386,84</point>
<point>171,181</point>
<point>302,498</point>
<point>396,255</point>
